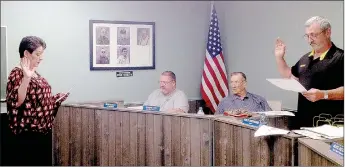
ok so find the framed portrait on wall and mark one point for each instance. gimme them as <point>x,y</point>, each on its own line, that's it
<point>122,45</point>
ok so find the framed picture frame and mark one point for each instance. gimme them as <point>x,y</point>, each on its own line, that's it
<point>122,45</point>
<point>4,62</point>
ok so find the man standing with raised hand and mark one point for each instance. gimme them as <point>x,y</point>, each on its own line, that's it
<point>320,71</point>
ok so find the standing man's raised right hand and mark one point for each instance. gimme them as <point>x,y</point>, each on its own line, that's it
<point>279,52</point>
<point>279,48</point>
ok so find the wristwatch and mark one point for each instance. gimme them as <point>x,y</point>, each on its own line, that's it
<point>325,94</point>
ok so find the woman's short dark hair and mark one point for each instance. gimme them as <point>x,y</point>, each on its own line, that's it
<point>30,43</point>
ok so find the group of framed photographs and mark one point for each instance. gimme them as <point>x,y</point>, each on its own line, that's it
<point>122,45</point>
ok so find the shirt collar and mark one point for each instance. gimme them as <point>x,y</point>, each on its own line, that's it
<point>322,56</point>
<point>238,97</point>
<point>170,94</point>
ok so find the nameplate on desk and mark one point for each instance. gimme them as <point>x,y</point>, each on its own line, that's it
<point>110,105</point>
<point>151,108</point>
<point>337,148</point>
<point>251,122</point>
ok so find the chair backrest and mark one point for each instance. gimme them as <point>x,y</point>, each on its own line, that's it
<point>275,105</point>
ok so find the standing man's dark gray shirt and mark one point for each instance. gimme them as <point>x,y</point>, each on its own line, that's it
<point>251,102</point>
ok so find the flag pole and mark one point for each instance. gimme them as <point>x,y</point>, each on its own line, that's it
<point>212,3</point>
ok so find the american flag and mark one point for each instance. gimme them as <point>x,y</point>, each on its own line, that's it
<point>214,83</point>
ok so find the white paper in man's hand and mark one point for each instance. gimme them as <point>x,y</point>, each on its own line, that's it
<point>287,84</point>
<point>265,130</point>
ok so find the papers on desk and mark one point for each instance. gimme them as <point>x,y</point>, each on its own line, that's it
<point>276,113</point>
<point>265,130</point>
<point>309,134</point>
<point>287,84</point>
<point>327,131</point>
<point>136,108</point>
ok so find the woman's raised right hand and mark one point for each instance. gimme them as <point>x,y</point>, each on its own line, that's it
<point>25,64</point>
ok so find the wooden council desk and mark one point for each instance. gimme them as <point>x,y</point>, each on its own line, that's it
<point>235,145</point>
<point>317,153</point>
<point>97,136</point>
<point>89,134</point>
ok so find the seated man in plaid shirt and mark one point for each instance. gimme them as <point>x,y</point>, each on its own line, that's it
<point>241,99</point>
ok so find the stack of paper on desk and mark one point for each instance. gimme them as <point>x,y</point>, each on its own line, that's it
<point>265,130</point>
<point>327,131</point>
<point>287,84</point>
<point>309,134</point>
<point>136,107</point>
<point>276,113</point>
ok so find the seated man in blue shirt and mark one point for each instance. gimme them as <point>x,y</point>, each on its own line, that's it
<point>241,99</point>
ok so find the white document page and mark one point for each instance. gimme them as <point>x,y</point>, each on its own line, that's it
<point>287,84</point>
<point>309,134</point>
<point>268,130</point>
<point>136,108</point>
<point>327,131</point>
<point>277,113</point>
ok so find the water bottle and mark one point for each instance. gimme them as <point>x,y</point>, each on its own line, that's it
<point>263,119</point>
<point>200,111</point>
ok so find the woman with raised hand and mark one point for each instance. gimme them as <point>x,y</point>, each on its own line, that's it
<point>31,107</point>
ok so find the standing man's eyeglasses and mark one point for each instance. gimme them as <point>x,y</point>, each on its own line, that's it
<point>312,36</point>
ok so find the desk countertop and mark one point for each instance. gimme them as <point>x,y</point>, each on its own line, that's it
<point>322,148</point>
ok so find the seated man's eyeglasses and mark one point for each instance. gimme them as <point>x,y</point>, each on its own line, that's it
<point>165,82</point>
